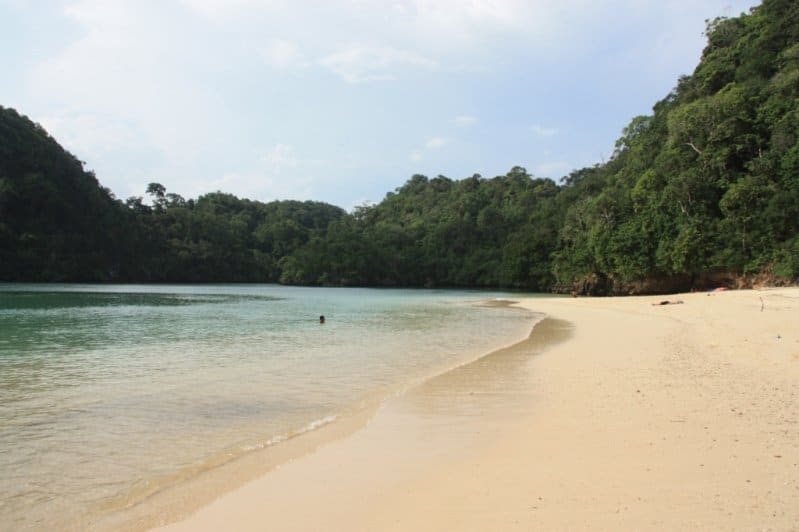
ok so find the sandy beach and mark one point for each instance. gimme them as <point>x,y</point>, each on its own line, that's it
<point>616,414</point>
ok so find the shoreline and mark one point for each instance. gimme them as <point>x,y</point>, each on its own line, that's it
<point>647,417</point>
<point>177,501</point>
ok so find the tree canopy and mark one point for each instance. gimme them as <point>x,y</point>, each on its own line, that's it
<point>703,190</point>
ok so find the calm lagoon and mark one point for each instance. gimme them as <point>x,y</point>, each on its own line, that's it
<point>110,393</point>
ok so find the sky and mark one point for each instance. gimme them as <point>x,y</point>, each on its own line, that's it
<point>340,100</point>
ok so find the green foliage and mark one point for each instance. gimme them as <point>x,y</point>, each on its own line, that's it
<point>473,232</point>
<point>56,222</point>
<point>707,184</point>
<point>220,237</point>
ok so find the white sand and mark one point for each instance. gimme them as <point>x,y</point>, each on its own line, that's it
<point>676,417</point>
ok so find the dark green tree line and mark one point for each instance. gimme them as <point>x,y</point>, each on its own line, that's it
<point>704,190</point>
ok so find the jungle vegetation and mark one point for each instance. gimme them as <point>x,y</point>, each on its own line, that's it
<point>703,190</point>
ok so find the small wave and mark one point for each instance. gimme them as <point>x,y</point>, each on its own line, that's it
<point>313,425</point>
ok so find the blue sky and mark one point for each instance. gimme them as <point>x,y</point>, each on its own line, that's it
<point>340,100</point>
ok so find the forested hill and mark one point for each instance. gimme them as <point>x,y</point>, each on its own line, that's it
<point>709,183</point>
<point>705,190</point>
<point>58,224</point>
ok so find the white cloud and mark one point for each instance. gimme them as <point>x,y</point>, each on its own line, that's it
<point>432,143</point>
<point>213,9</point>
<point>91,133</point>
<point>279,174</point>
<point>436,142</point>
<point>465,120</point>
<point>541,131</point>
<point>453,24</point>
<point>93,13</point>
<point>258,185</point>
<point>125,67</point>
<point>183,91</point>
<point>359,64</point>
<point>279,157</point>
<point>105,141</point>
<point>283,54</point>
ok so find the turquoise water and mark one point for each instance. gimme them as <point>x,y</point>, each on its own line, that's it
<point>111,393</point>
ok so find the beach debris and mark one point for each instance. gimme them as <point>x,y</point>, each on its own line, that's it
<point>668,302</point>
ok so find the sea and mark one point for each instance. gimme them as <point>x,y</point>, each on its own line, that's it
<point>110,394</point>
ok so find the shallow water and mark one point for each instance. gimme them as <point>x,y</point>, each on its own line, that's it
<point>110,393</point>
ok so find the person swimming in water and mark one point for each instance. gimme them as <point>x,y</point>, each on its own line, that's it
<point>321,319</point>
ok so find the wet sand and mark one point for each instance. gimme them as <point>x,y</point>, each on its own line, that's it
<point>614,415</point>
